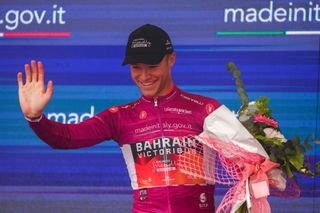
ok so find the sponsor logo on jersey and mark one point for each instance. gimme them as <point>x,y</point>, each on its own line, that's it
<point>165,125</point>
<point>143,115</point>
<point>163,147</point>
<point>177,110</point>
<point>203,198</point>
<point>209,108</point>
<point>114,109</point>
<point>143,194</point>
<point>203,201</point>
<point>192,99</point>
<point>125,106</point>
<point>156,161</point>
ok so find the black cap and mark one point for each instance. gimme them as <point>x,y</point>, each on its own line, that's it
<point>147,44</point>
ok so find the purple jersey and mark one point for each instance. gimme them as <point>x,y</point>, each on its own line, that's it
<point>152,133</point>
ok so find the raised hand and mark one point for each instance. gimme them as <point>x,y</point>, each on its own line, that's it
<point>33,96</point>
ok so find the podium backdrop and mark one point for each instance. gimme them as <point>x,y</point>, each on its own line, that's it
<point>275,45</point>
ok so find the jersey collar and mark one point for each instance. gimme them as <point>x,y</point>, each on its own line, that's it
<point>173,93</point>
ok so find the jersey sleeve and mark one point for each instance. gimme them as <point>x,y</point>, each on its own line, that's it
<point>72,136</point>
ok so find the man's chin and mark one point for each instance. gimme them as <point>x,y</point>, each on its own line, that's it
<point>148,94</point>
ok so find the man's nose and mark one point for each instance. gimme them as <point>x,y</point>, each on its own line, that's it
<point>145,74</point>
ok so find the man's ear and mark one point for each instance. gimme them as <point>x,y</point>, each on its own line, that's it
<point>172,59</point>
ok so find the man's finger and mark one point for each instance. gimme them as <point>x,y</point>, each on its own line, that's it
<point>34,70</point>
<point>40,72</point>
<point>19,79</point>
<point>49,91</point>
<point>28,73</point>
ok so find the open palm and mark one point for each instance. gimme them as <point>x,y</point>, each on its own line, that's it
<point>33,96</point>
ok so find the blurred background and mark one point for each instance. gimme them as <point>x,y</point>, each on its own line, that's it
<point>275,45</point>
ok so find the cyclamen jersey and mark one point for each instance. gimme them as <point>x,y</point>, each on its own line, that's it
<point>152,133</point>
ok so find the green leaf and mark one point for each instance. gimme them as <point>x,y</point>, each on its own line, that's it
<point>273,157</point>
<point>306,171</point>
<point>295,140</point>
<point>241,91</point>
<point>315,140</point>
<point>289,151</point>
<point>263,107</point>
<point>306,143</point>
<point>272,141</point>
<point>288,170</point>
<point>230,65</point>
<point>240,87</point>
<point>236,73</point>
<point>243,208</point>
<point>239,83</point>
<point>317,168</point>
<point>296,160</point>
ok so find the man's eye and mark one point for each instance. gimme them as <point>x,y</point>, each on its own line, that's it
<point>153,67</point>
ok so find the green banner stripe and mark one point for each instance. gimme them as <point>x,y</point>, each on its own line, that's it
<point>252,33</point>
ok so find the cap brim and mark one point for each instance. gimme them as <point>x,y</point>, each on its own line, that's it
<point>143,59</point>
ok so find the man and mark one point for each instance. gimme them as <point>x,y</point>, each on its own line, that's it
<point>151,131</point>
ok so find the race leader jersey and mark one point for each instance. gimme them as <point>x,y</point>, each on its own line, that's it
<point>152,133</point>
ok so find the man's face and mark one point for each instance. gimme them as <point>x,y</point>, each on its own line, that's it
<point>154,80</point>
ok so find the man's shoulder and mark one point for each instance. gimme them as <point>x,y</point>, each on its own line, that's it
<point>200,102</point>
<point>124,107</point>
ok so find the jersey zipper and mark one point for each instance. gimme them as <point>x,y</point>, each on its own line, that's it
<point>167,178</point>
<point>155,102</point>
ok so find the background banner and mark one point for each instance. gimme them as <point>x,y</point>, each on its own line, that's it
<point>275,45</point>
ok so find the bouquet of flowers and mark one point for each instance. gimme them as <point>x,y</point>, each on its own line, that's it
<point>249,153</point>
<point>256,117</point>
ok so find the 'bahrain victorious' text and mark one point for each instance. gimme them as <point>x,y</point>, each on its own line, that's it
<point>156,161</point>
<point>163,146</point>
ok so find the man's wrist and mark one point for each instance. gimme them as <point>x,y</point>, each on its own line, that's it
<point>33,119</point>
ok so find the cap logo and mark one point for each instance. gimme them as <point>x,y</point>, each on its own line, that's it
<point>168,44</point>
<point>140,42</point>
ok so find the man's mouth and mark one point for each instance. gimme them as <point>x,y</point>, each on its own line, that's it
<point>147,84</point>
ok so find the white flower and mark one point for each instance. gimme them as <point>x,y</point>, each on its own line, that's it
<point>277,179</point>
<point>252,107</point>
<point>246,113</point>
<point>272,133</point>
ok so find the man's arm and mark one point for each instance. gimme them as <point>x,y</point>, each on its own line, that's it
<point>72,136</point>
<point>33,98</point>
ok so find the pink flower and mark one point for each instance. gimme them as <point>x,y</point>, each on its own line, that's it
<point>272,133</point>
<point>263,119</point>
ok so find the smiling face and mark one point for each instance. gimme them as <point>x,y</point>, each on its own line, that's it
<point>154,80</point>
